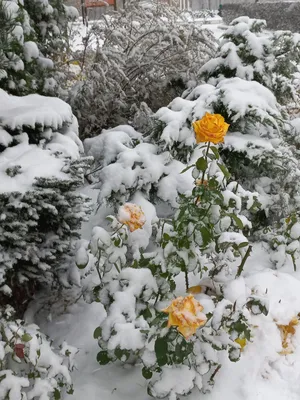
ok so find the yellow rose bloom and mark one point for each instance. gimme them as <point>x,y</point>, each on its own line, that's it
<point>241,342</point>
<point>131,215</point>
<point>194,289</point>
<point>287,331</point>
<point>210,128</point>
<point>186,314</point>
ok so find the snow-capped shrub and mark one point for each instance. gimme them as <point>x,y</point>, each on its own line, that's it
<point>260,150</point>
<point>30,368</point>
<point>143,262</point>
<point>41,210</point>
<point>146,52</point>
<point>204,207</point>
<point>249,52</point>
<point>33,36</point>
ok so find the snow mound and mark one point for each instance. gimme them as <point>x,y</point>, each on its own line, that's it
<point>33,111</point>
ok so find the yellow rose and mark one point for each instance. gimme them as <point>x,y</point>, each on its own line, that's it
<point>186,314</point>
<point>211,128</point>
<point>241,342</point>
<point>131,215</point>
<point>194,289</point>
<point>287,331</point>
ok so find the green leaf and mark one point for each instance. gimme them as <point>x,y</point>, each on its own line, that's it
<point>237,221</point>
<point>147,313</point>
<point>71,390</point>
<point>187,168</point>
<point>172,285</point>
<point>206,236</point>
<point>56,394</point>
<point>215,151</point>
<point>161,351</point>
<point>26,337</point>
<point>117,242</point>
<point>224,170</point>
<point>166,236</point>
<point>201,164</point>
<point>81,266</point>
<point>242,245</point>
<point>147,374</point>
<point>102,358</point>
<point>121,353</point>
<point>97,332</point>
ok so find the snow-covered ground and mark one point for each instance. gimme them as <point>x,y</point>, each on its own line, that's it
<point>261,374</point>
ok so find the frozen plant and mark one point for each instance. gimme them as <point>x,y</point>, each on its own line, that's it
<point>250,52</point>
<point>143,264</point>
<point>41,167</point>
<point>146,52</point>
<point>33,36</point>
<point>29,366</point>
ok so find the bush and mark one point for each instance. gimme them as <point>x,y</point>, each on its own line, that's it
<point>205,238</point>
<point>198,221</point>
<point>33,37</point>
<point>147,52</point>
<point>29,366</point>
<point>41,209</point>
<point>250,52</point>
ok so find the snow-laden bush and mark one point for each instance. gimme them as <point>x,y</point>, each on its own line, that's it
<point>248,51</point>
<point>33,45</point>
<point>29,366</point>
<point>146,52</point>
<point>41,210</point>
<point>195,227</point>
<point>141,269</point>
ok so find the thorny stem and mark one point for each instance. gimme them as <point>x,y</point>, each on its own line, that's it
<point>215,372</point>
<point>241,267</point>
<point>206,154</point>
<point>186,280</point>
<point>98,265</point>
<point>117,268</point>
<point>294,262</point>
<point>156,299</point>
<point>203,173</point>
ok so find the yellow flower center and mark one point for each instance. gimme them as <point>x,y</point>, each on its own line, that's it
<point>186,314</point>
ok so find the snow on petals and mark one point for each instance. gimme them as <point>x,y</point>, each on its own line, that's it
<point>131,215</point>
<point>186,314</point>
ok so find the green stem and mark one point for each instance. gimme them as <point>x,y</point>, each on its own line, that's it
<point>120,227</point>
<point>156,299</point>
<point>98,266</point>
<point>203,174</point>
<point>117,268</point>
<point>294,262</point>
<point>241,267</point>
<point>206,154</point>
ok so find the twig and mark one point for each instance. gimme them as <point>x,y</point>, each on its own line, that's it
<point>186,280</point>
<point>241,267</point>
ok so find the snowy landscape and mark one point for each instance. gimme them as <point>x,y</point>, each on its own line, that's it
<point>149,205</point>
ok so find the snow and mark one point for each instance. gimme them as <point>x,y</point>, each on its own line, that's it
<point>34,163</point>
<point>31,51</point>
<point>33,110</point>
<point>22,164</point>
<point>262,373</point>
